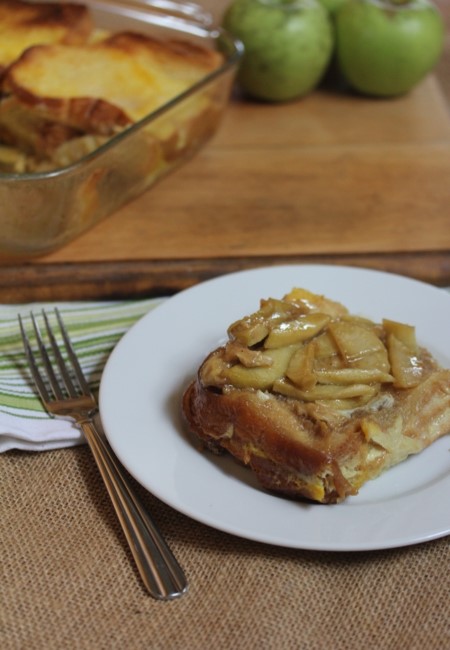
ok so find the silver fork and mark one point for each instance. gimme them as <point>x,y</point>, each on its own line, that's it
<point>64,392</point>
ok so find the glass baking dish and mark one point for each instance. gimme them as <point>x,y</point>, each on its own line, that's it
<point>42,211</point>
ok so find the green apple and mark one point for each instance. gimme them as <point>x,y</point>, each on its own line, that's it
<point>287,46</point>
<point>385,47</point>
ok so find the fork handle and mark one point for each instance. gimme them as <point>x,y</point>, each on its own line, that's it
<point>159,570</point>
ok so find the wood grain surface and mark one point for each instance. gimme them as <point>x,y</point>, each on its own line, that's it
<point>332,178</point>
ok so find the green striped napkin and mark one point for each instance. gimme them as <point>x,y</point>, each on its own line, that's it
<point>94,329</point>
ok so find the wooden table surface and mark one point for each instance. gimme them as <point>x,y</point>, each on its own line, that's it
<point>330,178</point>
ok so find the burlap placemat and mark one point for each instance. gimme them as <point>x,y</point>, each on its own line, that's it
<point>67,580</point>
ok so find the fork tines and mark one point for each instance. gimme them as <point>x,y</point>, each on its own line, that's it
<point>72,376</point>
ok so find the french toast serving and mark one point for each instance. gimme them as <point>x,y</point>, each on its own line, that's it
<point>317,401</point>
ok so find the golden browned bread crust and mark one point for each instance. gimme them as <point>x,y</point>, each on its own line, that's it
<point>102,87</point>
<point>23,24</point>
<point>68,86</point>
<point>317,440</point>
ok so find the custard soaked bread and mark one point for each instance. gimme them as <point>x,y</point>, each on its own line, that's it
<point>104,86</point>
<point>62,99</point>
<point>317,401</point>
<point>23,24</point>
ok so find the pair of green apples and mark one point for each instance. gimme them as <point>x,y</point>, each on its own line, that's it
<point>382,47</point>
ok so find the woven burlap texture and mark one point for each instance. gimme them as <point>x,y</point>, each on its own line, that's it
<point>68,581</point>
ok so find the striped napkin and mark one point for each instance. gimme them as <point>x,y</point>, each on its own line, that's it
<point>94,329</point>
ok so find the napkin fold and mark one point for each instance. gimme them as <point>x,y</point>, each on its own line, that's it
<point>94,328</point>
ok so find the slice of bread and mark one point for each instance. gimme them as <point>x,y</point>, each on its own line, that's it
<point>53,93</point>
<point>30,131</point>
<point>23,24</point>
<point>98,87</point>
<point>317,401</point>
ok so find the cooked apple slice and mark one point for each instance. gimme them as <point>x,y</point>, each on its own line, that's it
<point>261,377</point>
<point>405,366</point>
<point>359,345</point>
<point>301,328</point>
<point>353,376</point>
<point>248,331</point>
<point>404,333</point>
<point>301,367</point>
<point>327,353</point>
<point>324,391</point>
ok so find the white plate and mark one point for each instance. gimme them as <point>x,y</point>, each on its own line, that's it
<point>147,372</point>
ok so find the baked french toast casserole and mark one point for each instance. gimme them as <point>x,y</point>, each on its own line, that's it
<point>317,401</point>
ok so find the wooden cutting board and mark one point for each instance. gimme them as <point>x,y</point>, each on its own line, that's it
<point>329,178</point>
